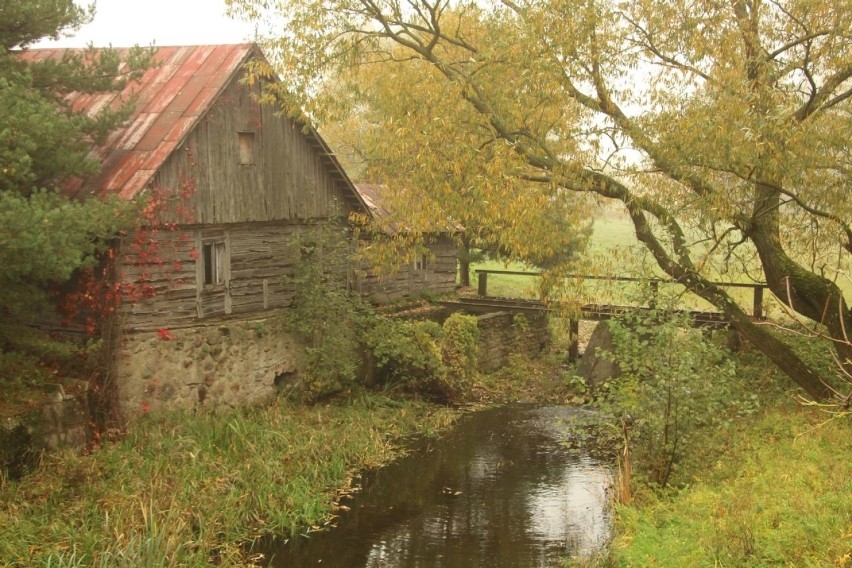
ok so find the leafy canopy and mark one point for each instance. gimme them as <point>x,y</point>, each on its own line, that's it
<point>442,173</point>
<point>718,126</point>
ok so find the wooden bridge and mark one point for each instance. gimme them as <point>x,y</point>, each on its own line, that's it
<point>483,303</point>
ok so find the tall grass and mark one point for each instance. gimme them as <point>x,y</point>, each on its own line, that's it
<point>773,488</point>
<point>778,494</point>
<point>185,489</point>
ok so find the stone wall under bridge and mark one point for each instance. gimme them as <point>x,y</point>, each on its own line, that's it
<point>227,364</point>
<point>503,333</point>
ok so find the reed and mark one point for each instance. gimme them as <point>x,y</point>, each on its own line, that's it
<point>185,489</point>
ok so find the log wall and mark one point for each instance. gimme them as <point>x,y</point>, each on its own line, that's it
<point>259,275</point>
<point>438,277</point>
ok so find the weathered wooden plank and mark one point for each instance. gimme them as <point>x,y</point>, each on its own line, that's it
<point>289,179</point>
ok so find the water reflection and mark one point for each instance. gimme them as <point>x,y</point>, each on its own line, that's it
<point>503,490</point>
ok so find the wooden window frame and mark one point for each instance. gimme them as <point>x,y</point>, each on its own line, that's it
<point>247,141</point>
<point>214,257</point>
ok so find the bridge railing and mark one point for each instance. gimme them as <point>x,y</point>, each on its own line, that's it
<point>757,288</point>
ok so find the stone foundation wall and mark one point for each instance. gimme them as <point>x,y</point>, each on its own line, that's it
<point>233,364</point>
<point>500,335</point>
<point>224,365</point>
<point>62,422</point>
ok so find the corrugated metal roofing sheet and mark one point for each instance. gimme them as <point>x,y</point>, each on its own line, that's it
<point>371,193</point>
<point>170,98</point>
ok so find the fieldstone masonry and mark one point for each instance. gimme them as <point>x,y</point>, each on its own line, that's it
<point>224,365</point>
<point>594,368</point>
<point>501,334</point>
<point>61,422</point>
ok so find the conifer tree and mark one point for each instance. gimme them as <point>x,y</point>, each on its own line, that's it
<point>46,236</point>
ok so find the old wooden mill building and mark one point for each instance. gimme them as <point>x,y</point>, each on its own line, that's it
<point>234,182</point>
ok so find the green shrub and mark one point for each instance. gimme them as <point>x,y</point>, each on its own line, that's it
<point>406,351</point>
<point>460,351</point>
<point>673,384</point>
<point>328,317</point>
<point>423,357</point>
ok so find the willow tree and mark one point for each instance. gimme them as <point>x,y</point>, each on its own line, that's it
<point>725,118</point>
<point>439,177</point>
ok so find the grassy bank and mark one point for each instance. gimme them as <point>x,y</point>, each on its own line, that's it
<point>183,489</point>
<point>770,489</point>
<point>778,493</point>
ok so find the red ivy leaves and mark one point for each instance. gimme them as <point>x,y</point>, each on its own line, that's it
<point>96,295</point>
<point>99,292</point>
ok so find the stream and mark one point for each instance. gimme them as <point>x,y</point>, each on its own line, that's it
<point>502,490</point>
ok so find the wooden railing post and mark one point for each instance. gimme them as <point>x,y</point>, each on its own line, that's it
<point>655,291</point>
<point>482,286</point>
<point>758,302</point>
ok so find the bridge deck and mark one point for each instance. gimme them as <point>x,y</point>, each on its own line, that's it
<point>592,312</point>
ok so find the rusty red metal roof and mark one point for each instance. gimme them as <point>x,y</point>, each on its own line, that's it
<point>371,193</point>
<point>171,97</point>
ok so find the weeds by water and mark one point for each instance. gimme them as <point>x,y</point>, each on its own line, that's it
<point>188,490</point>
<point>779,493</point>
<point>770,489</point>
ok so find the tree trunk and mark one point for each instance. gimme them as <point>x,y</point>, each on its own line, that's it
<point>803,291</point>
<point>808,294</point>
<point>464,265</point>
<point>780,354</point>
<point>775,350</point>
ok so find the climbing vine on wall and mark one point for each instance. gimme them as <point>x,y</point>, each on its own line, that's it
<point>100,291</point>
<point>325,314</point>
<point>124,275</point>
<point>460,352</point>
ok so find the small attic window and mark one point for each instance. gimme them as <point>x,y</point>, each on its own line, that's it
<point>246,148</point>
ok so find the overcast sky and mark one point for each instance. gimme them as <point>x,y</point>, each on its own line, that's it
<point>123,23</point>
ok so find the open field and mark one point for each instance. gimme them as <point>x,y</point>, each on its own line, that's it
<point>507,285</point>
<point>614,251</point>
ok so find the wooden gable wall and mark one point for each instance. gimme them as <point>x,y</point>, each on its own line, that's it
<point>256,211</point>
<point>288,179</point>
